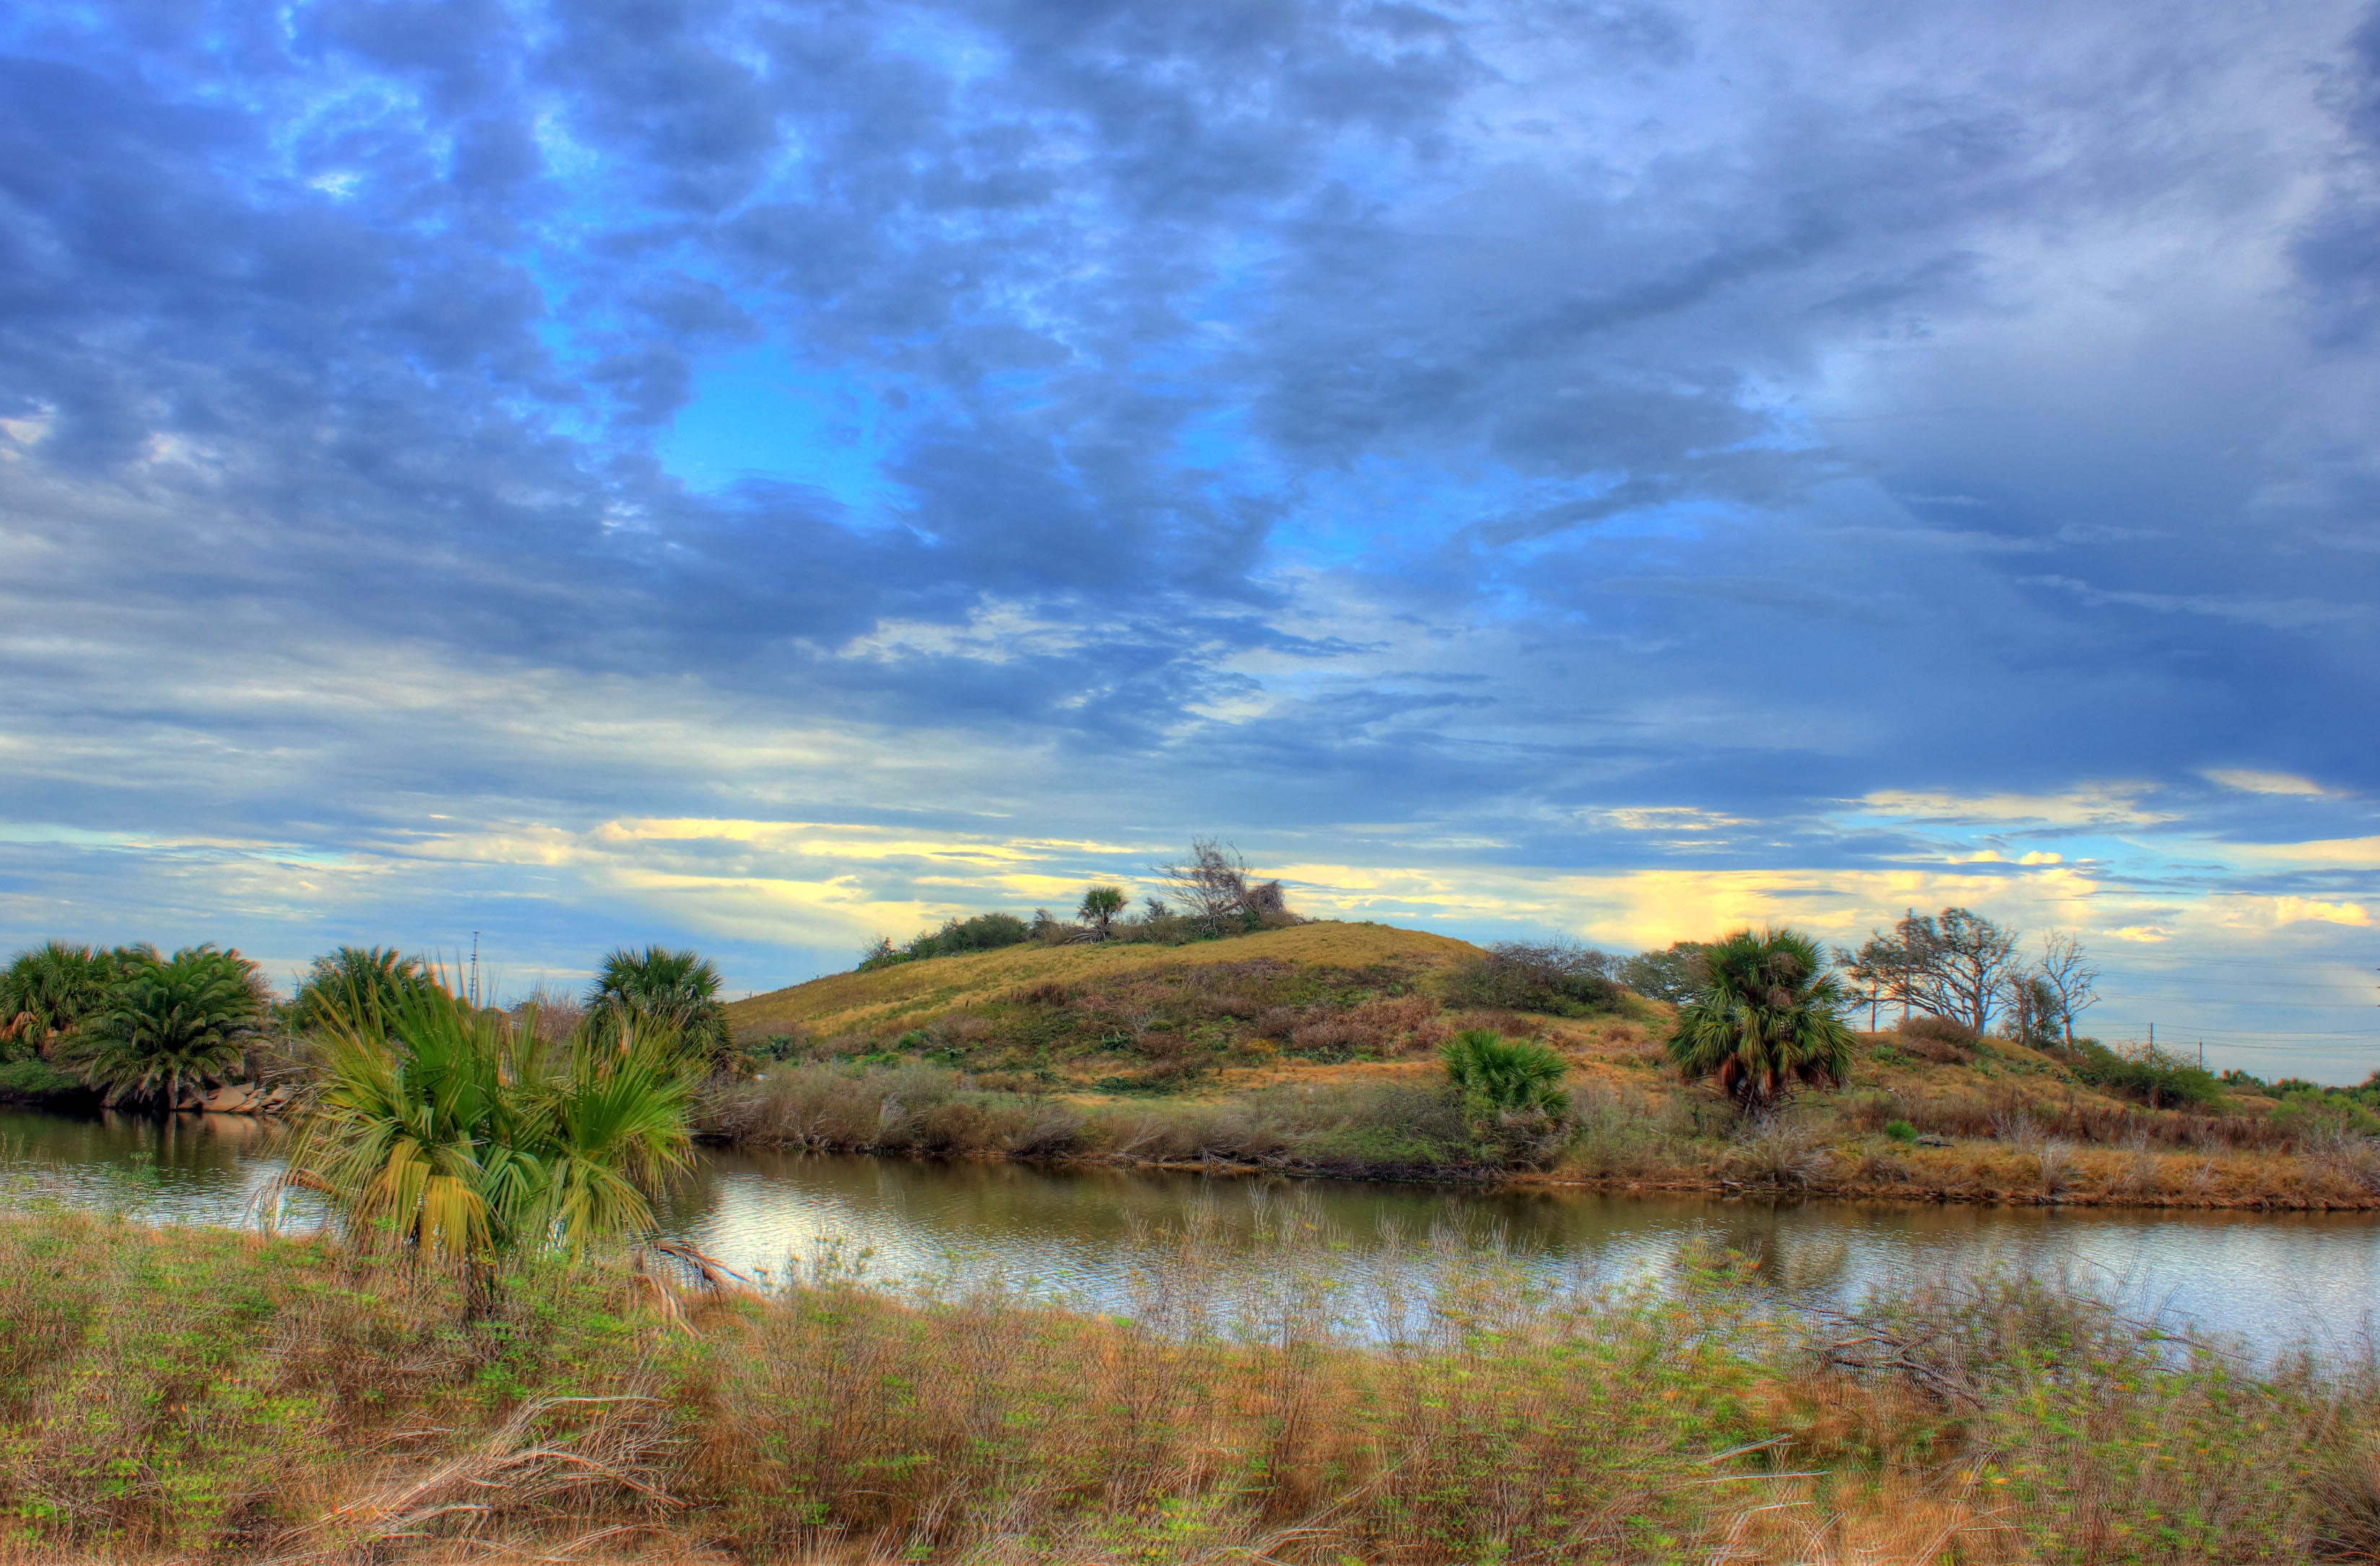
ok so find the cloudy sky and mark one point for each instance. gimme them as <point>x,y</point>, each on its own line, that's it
<point>763,475</point>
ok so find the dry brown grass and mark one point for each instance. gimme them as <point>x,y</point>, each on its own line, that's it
<point>206,1396</point>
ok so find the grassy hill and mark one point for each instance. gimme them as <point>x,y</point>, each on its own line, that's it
<point>1314,1050</point>
<point>1138,1018</point>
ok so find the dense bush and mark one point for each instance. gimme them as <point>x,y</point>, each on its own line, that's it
<point>2151,1078</point>
<point>1674,974</point>
<point>984,932</point>
<point>1559,978</point>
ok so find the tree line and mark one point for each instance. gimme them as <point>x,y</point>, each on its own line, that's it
<point>143,1029</point>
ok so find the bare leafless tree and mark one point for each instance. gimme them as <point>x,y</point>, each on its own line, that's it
<point>1210,887</point>
<point>2068,971</point>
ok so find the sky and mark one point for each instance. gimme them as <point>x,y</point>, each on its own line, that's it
<point>759,477</point>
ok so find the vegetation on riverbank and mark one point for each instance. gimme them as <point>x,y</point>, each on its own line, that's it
<point>187,1392</point>
<point>1315,1048</point>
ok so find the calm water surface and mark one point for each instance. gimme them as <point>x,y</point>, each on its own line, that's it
<point>2275,1277</point>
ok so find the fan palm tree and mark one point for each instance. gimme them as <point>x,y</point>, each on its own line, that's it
<point>1100,904</point>
<point>676,991</point>
<point>459,1134</point>
<point>371,975</point>
<point>1767,1018</point>
<point>1496,1075</point>
<point>170,1023</point>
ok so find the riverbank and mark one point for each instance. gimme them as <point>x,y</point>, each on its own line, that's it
<point>1398,1121</point>
<point>1313,1051</point>
<point>167,1393</point>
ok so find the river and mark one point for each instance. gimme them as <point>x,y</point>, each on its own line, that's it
<point>2274,1279</point>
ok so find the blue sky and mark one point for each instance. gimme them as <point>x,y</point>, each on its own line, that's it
<point>761,475</point>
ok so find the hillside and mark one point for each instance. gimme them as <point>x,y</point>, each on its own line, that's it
<point>1133,1017</point>
<point>1314,1050</point>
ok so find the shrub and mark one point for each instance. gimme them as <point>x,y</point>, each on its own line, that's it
<point>2152,1076</point>
<point>443,1126</point>
<point>1558,978</point>
<point>1673,975</point>
<point>1500,1076</point>
<point>1900,1131</point>
<point>984,932</point>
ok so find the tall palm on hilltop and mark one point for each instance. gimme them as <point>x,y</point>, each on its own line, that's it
<point>675,990</point>
<point>1100,906</point>
<point>1766,1018</point>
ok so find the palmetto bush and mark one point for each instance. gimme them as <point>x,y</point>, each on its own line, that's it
<point>171,1024</point>
<point>460,1132</point>
<point>1500,1076</point>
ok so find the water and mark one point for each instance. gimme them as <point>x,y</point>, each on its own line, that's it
<point>2275,1278</point>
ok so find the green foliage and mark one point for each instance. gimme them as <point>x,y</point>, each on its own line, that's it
<point>458,1132</point>
<point>676,992</point>
<point>1766,1018</point>
<point>1500,1076</point>
<point>32,1077</point>
<point>984,932</point>
<point>2151,1078</point>
<point>353,976</point>
<point>1674,975</point>
<point>48,990</point>
<point>170,1024</point>
<point>1558,977</point>
<point>1900,1131</point>
<point>1100,906</point>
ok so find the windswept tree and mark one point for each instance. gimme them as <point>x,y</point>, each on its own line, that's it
<point>354,977</point>
<point>1767,1019</point>
<point>171,1026</point>
<point>1955,964</point>
<point>2070,975</point>
<point>1100,906</point>
<point>1969,961</point>
<point>677,990</point>
<point>1673,974</point>
<point>1214,893</point>
<point>453,1132</point>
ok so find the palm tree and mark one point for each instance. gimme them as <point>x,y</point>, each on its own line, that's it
<point>1499,1076</point>
<point>678,991</point>
<point>1769,1017</point>
<point>172,1024</point>
<point>1101,904</point>
<point>371,975</point>
<point>46,992</point>
<point>459,1134</point>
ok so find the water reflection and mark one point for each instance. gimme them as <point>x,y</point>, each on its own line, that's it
<point>2273,1277</point>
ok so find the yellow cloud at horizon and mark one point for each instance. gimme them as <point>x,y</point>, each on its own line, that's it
<point>2249,781</point>
<point>2094,805</point>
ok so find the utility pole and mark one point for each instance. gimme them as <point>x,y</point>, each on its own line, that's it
<point>475,970</point>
